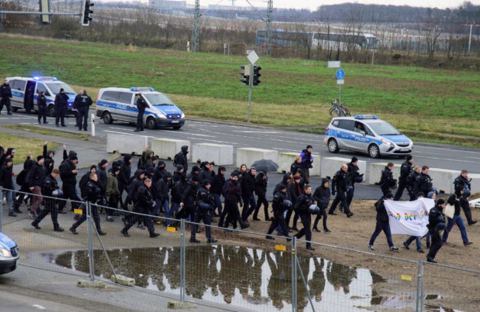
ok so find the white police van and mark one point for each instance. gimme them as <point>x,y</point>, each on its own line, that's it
<point>119,104</point>
<point>25,92</point>
<point>366,134</point>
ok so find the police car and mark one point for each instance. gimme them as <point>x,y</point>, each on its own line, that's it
<point>25,92</point>
<point>8,254</point>
<point>119,104</point>
<point>367,134</point>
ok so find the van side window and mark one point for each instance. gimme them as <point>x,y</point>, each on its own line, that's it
<point>41,87</point>
<point>346,124</point>
<point>119,97</point>
<point>108,96</point>
<point>18,85</point>
<point>125,98</point>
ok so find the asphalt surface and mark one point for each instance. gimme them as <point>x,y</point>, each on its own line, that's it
<point>435,156</point>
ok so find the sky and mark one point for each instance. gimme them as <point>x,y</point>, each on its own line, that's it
<point>314,4</point>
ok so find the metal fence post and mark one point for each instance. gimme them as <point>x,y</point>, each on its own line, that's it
<point>182,260</point>
<point>294,274</point>
<point>420,284</point>
<point>1,208</point>
<point>91,264</point>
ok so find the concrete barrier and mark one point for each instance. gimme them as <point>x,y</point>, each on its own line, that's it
<point>127,143</point>
<point>219,154</point>
<point>249,155</point>
<point>475,182</point>
<point>167,148</point>
<point>443,179</point>
<point>374,172</point>
<point>330,165</point>
<point>285,161</point>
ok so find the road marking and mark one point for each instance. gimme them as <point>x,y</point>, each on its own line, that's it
<point>37,306</point>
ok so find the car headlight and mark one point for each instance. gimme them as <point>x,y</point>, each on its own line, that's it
<point>4,252</point>
<point>386,142</point>
<point>161,115</point>
<point>183,115</point>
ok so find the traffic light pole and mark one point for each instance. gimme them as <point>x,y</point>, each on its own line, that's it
<point>250,93</point>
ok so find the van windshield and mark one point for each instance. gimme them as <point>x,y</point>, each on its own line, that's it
<point>56,86</point>
<point>383,128</point>
<point>158,99</point>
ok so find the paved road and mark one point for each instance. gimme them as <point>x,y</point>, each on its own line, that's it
<point>436,156</point>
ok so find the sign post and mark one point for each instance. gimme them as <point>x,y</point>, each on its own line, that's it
<point>340,75</point>
<point>252,58</point>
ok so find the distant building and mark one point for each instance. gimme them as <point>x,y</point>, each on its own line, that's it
<point>168,4</point>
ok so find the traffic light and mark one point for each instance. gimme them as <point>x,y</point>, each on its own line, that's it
<point>245,74</point>
<point>86,13</point>
<point>256,75</point>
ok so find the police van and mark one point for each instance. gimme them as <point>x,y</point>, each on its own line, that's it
<point>366,134</point>
<point>25,92</point>
<point>119,104</point>
<point>8,254</point>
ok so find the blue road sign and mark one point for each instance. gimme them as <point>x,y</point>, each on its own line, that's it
<point>340,74</point>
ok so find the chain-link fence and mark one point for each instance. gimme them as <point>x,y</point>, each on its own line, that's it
<point>236,269</point>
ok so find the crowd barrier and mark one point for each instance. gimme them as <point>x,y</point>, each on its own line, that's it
<point>226,155</point>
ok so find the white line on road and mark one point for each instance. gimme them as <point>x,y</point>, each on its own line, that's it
<point>37,306</point>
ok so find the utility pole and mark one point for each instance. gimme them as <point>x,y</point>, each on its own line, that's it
<point>470,39</point>
<point>269,27</point>
<point>196,27</point>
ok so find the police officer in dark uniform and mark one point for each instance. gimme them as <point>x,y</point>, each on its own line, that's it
<point>424,183</point>
<point>339,186</point>
<point>82,103</point>
<point>68,174</point>
<point>203,212</point>
<point>141,106</point>
<point>463,190</point>
<point>387,182</point>
<point>42,108</point>
<point>436,223</point>
<point>382,223</point>
<point>50,189</point>
<point>94,196</point>
<point>181,159</point>
<point>405,170</point>
<point>280,205</point>
<point>144,204</point>
<point>354,177</point>
<point>303,207</point>
<point>5,96</point>
<point>61,105</point>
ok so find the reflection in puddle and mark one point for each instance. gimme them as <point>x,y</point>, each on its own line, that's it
<point>248,277</point>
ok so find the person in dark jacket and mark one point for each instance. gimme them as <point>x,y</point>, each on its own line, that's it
<point>339,187</point>
<point>36,178</point>
<point>6,182</point>
<point>162,190</point>
<point>412,182</point>
<point>207,171</point>
<point>295,190</point>
<point>181,158</point>
<point>261,181</point>
<point>405,170</point>
<point>68,175</point>
<point>322,197</point>
<point>5,96</point>
<point>160,172</point>
<point>248,193</point>
<point>112,193</point>
<point>144,204</point>
<point>141,107</point>
<point>42,108</point>
<point>50,191</point>
<point>22,181</point>
<point>102,177</point>
<point>462,185</point>
<point>387,182</point>
<point>124,178</point>
<point>179,184</point>
<point>82,184</point>
<point>424,183</point>
<point>454,200</point>
<point>187,205</point>
<point>49,163</point>
<point>354,177</point>
<point>303,207</point>
<point>217,189</point>
<point>280,204</point>
<point>61,106</point>
<point>82,103</point>
<point>94,197</point>
<point>297,166</point>
<point>203,212</point>
<point>436,223</point>
<point>382,224</point>
<point>233,196</point>
<point>307,162</point>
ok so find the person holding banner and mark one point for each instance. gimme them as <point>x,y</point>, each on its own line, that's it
<point>454,200</point>
<point>436,223</point>
<point>382,224</point>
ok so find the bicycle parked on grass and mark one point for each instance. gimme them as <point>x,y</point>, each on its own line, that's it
<point>338,109</point>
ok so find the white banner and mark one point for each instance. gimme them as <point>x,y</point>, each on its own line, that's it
<point>409,217</point>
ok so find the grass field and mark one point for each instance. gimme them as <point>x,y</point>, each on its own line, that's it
<point>24,146</point>
<point>44,131</point>
<point>431,105</point>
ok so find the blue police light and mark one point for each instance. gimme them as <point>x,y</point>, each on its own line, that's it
<point>44,78</point>
<point>365,117</point>
<point>140,89</point>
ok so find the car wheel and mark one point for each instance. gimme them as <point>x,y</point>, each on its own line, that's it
<point>151,124</point>
<point>176,127</point>
<point>374,151</point>
<point>51,111</point>
<point>332,146</point>
<point>107,118</point>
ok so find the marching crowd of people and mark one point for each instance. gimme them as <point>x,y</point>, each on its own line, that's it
<point>195,194</point>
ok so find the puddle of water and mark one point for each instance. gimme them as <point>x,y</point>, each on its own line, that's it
<point>251,278</point>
